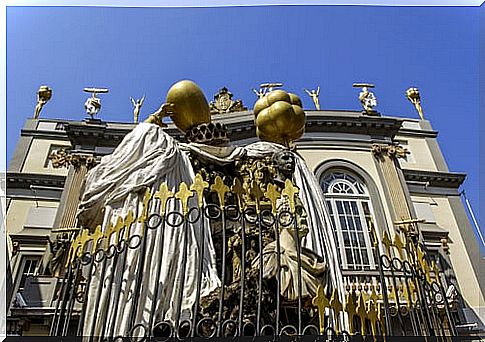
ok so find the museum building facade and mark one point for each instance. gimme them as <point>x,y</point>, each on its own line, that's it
<point>380,175</point>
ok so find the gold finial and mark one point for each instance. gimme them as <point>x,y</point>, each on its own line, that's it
<point>361,312</point>
<point>337,308</point>
<point>399,245</point>
<point>109,231</point>
<point>96,236</point>
<point>372,316</point>
<point>386,241</point>
<point>136,107</point>
<point>83,239</point>
<point>314,95</point>
<point>199,186</point>
<point>257,194</point>
<point>238,190</point>
<point>129,220</point>
<point>321,302</point>
<point>183,195</point>
<point>120,224</point>
<point>163,194</point>
<point>44,94</point>
<point>290,191</point>
<point>350,309</point>
<point>221,189</point>
<point>273,195</point>
<point>414,97</point>
<point>146,200</point>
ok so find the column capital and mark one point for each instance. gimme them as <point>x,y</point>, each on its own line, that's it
<point>65,158</point>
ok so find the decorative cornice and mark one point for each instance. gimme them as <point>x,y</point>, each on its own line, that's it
<point>435,179</point>
<point>391,151</point>
<point>25,180</point>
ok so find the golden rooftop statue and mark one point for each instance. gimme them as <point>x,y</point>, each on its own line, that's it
<point>413,95</point>
<point>44,94</point>
<point>314,95</point>
<point>279,117</point>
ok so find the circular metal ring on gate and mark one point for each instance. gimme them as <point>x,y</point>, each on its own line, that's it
<point>267,330</point>
<point>435,287</point>
<point>250,215</point>
<point>174,219</point>
<point>154,221</point>
<point>111,251</point>
<point>407,268</point>
<point>227,324</point>
<point>393,310</point>
<point>311,328</point>
<point>191,218</point>
<point>267,218</point>
<point>137,239</point>
<point>163,330</point>
<point>396,264</point>
<point>385,261</point>
<point>286,330</point>
<point>86,258</point>
<point>209,322</point>
<point>331,330</point>
<point>403,310</point>
<point>121,246</point>
<point>232,212</point>
<point>438,298</point>
<point>249,329</point>
<point>285,218</point>
<point>99,255</point>
<point>212,211</point>
<point>345,335</point>
<point>184,328</point>
<point>138,338</point>
<point>118,338</point>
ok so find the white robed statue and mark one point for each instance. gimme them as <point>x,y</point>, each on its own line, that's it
<point>147,158</point>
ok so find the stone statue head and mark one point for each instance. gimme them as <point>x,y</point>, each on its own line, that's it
<point>284,163</point>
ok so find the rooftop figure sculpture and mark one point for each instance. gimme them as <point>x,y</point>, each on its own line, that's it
<point>366,97</point>
<point>314,95</point>
<point>93,103</point>
<point>414,97</point>
<point>44,94</point>
<point>137,107</point>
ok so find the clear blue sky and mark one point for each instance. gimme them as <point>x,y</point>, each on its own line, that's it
<point>136,51</point>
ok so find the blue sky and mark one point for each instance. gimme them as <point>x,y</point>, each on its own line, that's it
<point>136,51</point>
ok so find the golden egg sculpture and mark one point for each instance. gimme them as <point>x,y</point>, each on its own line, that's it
<point>190,105</point>
<point>279,117</point>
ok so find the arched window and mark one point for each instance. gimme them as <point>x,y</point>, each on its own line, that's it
<point>351,215</point>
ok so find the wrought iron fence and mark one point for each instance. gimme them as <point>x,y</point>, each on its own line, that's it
<point>261,293</point>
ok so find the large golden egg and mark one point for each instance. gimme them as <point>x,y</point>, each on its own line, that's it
<point>279,117</point>
<point>190,105</point>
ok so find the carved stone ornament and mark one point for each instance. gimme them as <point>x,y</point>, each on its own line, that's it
<point>63,158</point>
<point>392,151</point>
<point>223,103</point>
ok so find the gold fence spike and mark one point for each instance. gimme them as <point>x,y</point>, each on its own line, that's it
<point>399,245</point>
<point>129,220</point>
<point>321,302</point>
<point>257,194</point>
<point>107,234</point>
<point>362,313</point>
<point>436,271</point>
<point>72,250</point>
<point>350,309</point>
<point>163,194</point>
<point>372,316</point>
<point>83,239</point>
<point>146,200</point>
<point>273,195</point>
<point>96,236</point>
<point>199,186</point>
<point>237,190</point>
<point>120,224</point>
<point>412,289</point>
<point>183,195</point>
<point>221,189</point>
<point>386,241</point>
<point>290,191</point>
<point>337,308</point>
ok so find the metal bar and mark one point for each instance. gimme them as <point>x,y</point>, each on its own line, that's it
<point>396,292</point>
<point>389,329</point>
<point>99,290</point>
<point>72,299</point>
<point>58,304</point>
<point>243,271</point>
<point>278,276</point>
<point>157,276</point>
<point>86,292</point>
<point>64,301</point>
<point>182,273</point>
<point>260,275</point>
<point>298,256</point>
<point>223,276</point>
